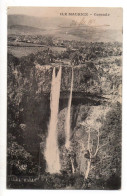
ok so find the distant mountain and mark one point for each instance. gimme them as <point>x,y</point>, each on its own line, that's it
<point>27,28</point>
<point>61,28</point>
<point>37,22</point>
<point>23,29</point>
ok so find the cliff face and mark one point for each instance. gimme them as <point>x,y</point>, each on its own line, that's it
<point>31,85</point>
<point>95,78</point>
<point>37,79</point>
<point>85,78</point>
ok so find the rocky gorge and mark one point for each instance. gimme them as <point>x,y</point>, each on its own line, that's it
<point>95,148</point>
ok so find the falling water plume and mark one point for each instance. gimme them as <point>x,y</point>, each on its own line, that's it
<point>52,150</point>
<point>68,117</point>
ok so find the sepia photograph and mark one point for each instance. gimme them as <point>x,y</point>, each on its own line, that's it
<point>64,98</point>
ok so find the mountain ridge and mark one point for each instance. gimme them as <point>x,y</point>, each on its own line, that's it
<point>52,26</point>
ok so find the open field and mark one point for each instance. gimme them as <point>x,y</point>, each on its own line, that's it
<point>24,51</point>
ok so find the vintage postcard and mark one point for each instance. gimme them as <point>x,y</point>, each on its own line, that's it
<point>64,83</point>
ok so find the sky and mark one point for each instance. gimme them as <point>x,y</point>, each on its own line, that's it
<point>114,20</point>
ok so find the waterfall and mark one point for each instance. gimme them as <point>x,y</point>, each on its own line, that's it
<point>52,151</point>
<point>68,117</point>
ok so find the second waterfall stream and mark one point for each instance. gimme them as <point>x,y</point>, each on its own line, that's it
<point>68,117</point>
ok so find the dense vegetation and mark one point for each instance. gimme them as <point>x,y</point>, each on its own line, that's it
<point>28,116</point>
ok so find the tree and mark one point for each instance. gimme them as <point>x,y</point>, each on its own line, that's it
<point>103,152</point>
<point>19,160</point>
